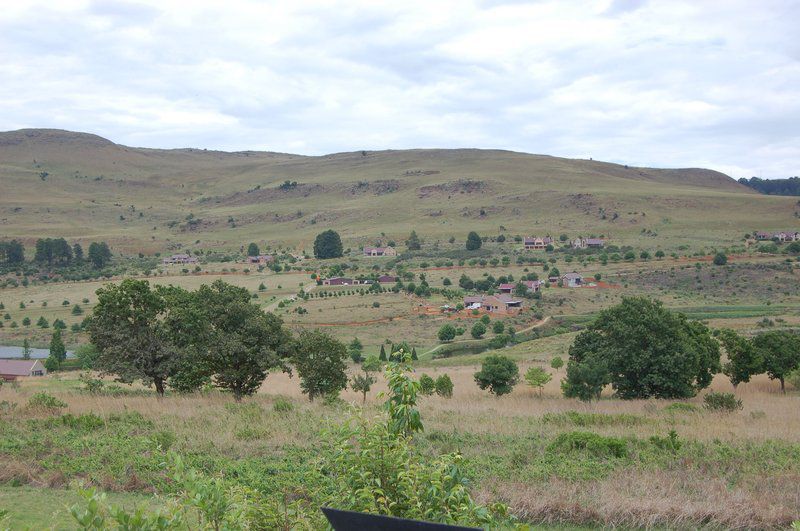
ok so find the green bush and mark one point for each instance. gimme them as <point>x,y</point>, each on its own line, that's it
<point>595,445</point>
<point>87,422</point>
<point>45,402</point>
<point>427,385</point>
<point>670,443</point>
<point>444,386</point>
<point>721,402</point>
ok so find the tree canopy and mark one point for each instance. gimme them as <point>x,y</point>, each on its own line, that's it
<point>320,362</point>
<point>328,244</point>
<point>498,374</point>
<point>643,350</point>
<point>473,241</point>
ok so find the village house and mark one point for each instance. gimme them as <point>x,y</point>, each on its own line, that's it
<point>379,251</point>
<point>502,303</point>
<point>534,243</point>
<point>781,236</point>
<point>179,259</point>
<point>588,243</point>
<point>572,280</point>
<point>337,281</point>
<point>532,285</point>
<point>10,370</point>
<point>387,279</point>
<point>261,259</point>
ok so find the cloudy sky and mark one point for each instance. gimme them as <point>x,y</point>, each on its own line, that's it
<point>663,83</point>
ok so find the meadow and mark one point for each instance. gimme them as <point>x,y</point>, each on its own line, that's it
<point>714,476</point>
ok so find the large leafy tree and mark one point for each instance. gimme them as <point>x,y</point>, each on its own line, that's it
<point>780,350</point>
<point>127,327</point>
<point>320,362</point>
<point>498,374</point>
<point>253,250</point>
<point>223,337</point>
<point>328,244</point>
<point>99,254</point>
<point>744,360</point>
<point>647,350</point>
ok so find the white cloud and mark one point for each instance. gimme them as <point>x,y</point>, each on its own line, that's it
<point>670,83</point>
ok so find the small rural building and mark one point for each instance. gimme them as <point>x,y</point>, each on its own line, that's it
<point>761,235</point>
<point>387,279</point>
<point>786,236</point>
<point>179,259</point>
<point>502,303</point>
<point>379,251</point>
<point>535,243</point>
<point>588,243</point>
<point>532,285</point>
<point>572,280</point>
<point>506,288</point>
<point>338,281</point>
<point>261,259</point>
<point>12,369</point>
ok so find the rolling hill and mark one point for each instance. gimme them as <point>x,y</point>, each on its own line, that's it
<point>84,187</point>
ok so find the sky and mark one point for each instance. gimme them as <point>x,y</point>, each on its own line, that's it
<point>701,83</point>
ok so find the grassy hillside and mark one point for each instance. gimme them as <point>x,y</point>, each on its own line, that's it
<point>81,186</point>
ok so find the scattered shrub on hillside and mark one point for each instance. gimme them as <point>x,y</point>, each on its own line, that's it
<point>45,402</point>
<point>721,402</point>
<point>595,445</point>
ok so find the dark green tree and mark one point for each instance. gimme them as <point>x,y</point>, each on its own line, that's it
<point>744,360</point>
<point>99,254</point>
<point>355,349</point>
<point>780,350</point>
<point>498,374</point>
<point>444,386</point>
<point>382,355</point>
<point>328,244</point>
<point>413,243</point>
<point>225,337</point>
<point>319,361</point>
<point>447,333</point>
<point>12,253</point>
<point>77,252</point>
<point>478,329</point>
<point>58,352</point>
<point>253,250</point>
<point>720,259</point>
<point>648,351</point>
<point>473,241</point>
<point>127,327</point>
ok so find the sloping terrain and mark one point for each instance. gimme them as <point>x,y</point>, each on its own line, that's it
<point>81,186</point>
